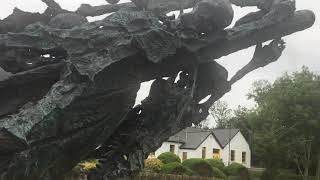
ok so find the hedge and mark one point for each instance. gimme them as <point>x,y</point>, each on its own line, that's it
<point>203,168</point>
<point>177,169</point>
<point>235,169</point>
<point>218,173</point>
<point>217,164</point>
<point>169,157</point>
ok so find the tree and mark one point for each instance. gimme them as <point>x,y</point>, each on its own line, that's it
<point>246,121</point>
<point>285,122</point>
<point>221,114</point>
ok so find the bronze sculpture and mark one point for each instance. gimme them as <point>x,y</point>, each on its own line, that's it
<point>74,83</point>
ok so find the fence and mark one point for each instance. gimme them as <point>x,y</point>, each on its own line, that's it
<point>152,177</point>
<point>170,177</point>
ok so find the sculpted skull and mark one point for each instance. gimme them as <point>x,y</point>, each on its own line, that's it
<point>208,16</point>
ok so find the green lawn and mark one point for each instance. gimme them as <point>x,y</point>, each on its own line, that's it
<point>284,175</point>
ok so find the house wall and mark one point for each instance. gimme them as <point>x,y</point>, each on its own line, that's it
<point>209,143</point>
<point>239,144</point>
<point>165,147</point>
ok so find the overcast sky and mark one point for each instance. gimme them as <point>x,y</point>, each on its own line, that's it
<point>302,48</point>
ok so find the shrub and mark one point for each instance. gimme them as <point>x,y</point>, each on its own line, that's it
<point>255,174</point>
<point>218,173</point>
<point>270,173</point>
<point>88,165</point>
<point>200,166</point>
<point>76,173</point>
<point>153,164</point>
<point>217,163</point>
<point>235,169</point>
<point>169,157</point>
<point>81,169</point>
<point>290,176</point>
<point>233,178</point>
<point>176,168</point>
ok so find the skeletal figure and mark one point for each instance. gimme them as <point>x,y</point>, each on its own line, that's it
<point>141,4</point>
<point>208,16</point>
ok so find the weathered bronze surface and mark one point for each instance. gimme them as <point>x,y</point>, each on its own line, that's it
<point>73,84</point>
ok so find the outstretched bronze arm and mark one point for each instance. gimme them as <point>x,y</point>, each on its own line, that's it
<point>263,56</point>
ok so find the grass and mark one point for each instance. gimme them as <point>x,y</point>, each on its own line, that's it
<point>284,175</point>
<point>255,175</point>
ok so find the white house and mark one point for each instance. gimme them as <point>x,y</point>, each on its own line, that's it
<point>226,144</point>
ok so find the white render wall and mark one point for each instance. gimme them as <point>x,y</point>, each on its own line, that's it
<point>239,144</point>
<point>165,147</point>
<point>209,143</point>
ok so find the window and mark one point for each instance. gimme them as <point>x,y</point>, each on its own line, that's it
<point>216,153</point>
<point>204,152</point>
<point>233,155</point>
<point>184,156</point>
<point>244,157</point>
<point>172,147</point>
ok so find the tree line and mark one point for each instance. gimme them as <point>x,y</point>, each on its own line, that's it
<point>283,129</point>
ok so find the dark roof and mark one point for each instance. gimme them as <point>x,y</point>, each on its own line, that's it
<point>192,138</point>
<point>223,135</point>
